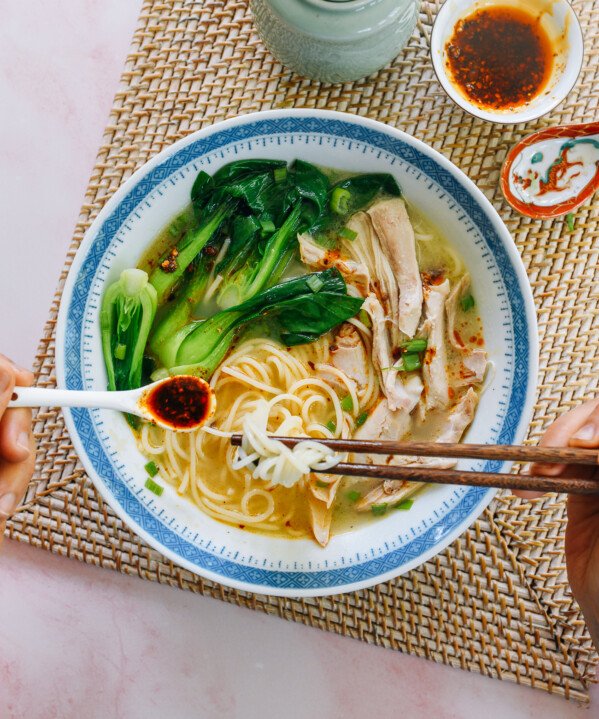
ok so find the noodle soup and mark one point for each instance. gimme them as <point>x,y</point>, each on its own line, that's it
<point>362,325</point>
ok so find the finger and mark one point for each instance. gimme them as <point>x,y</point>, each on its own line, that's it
<point>15,435</point>
<point>23,377</point>
<point>7,385</point>
<point>588,434</point>
<point>14,478</point>
<point>527,493</point>
<point>560,433</point>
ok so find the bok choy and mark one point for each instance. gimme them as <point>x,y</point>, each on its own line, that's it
<point>298,310</point>
<point>126,316</point>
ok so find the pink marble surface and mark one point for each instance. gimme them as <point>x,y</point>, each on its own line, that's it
<point>76,641</point>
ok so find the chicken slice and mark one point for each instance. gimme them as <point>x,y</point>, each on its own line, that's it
<point>391,492</point>
<point>399,394</point>
<point>387,493</point>
<point>460,417</point>
<point>434,369</point>
<point>320,518</point>
<point>313,255</point>
<point>382,423</point>
<point>394,230</point>
<point>365,249</point>
<point>451,307</point>
<point>474,360</point>
<point>348,354</point>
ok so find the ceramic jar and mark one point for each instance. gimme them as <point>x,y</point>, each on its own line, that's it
<point>335,40</point>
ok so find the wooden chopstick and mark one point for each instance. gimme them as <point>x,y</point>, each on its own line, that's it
<point>560,455</point>
<point>431,475</point>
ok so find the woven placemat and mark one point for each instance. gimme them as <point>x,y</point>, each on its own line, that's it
<point>497,600</point>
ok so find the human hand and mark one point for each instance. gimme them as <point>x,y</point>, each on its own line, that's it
<point>578,428</point>
<point>17,446</point>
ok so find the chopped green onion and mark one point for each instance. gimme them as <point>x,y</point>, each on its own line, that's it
<point>330,425</point>
<point>404,505</point>
<point>347,404</point>
<point>410,363</point>
<point>154,487</point>
<point>120,351</point>
<point>418,344</point>
<point>340,198</point>
<point>361,418</point>
<point>151,469</point>
<point>467,302</point>
<point>268,226</point>
<point>314,283</point>
<point>324,485</point>
<point>280,174</point>
<point>176,226</point>
<point>570,221</point>
<point>364,318</point>
<point>378,509</point>
<point>347,234</point>
<point>353,496</point>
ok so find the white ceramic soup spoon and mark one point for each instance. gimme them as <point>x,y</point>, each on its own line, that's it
<point>182,402</point>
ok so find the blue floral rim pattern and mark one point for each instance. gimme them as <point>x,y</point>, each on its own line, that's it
<point>224,568</point>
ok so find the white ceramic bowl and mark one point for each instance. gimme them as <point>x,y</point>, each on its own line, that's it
<point>146,202</point>
<point>562,26</point>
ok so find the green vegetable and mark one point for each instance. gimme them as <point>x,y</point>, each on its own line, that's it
<point>314,283</point>
<point>331,426</point>
<point>154,487</point>
<point>418,344</point>
<point>322,485</point>
<point>280,174</point>
<point>410,363</point>
<point>267,225</point>
<point>177,314</point>
<point>347,404</point>
<point>467,302</point>
<point>353,496</point>
<point>292,309</point>
<point>363,189</point>
<point>570,221</point>
<point>364,318</point>
<point>378,509</point>
<point>346,234</point>
<point>120,351</point>
<point>151,469</point>
<point>126,315</point>
<point>165,280</point>
<point>340,198</point>
<point>255,276</point>
<point>404,505</point>
<point>361,418</point>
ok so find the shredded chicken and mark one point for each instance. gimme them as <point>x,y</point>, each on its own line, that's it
<point>314,255</point>
<point>391,492</point>
<point>474,360</point>
<point>394,230</point>
<point>320,517</point>
<point>365,249</point>
<point>348,355</point>
<point>434,370</point>
<point>400,395</point>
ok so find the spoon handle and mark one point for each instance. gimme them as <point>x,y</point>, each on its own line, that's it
<point>42,397</point>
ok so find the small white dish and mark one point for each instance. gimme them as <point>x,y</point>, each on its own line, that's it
<point>563,28</point>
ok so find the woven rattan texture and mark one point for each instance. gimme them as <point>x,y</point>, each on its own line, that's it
<point>497,600</point>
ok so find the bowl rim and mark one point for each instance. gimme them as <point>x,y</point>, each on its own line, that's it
<point>113,202</point>
<point>500,118</point>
